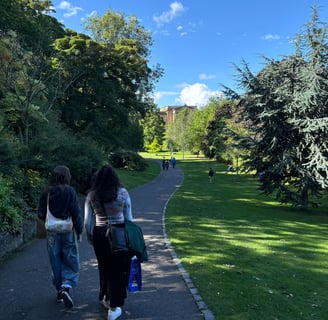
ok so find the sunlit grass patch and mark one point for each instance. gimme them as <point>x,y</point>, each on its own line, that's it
<point>249,256</point>
<point>131,179</point>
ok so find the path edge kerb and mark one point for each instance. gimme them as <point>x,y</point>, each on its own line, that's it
<point>208,315</point>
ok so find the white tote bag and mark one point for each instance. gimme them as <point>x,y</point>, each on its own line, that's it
<point>54,224</point>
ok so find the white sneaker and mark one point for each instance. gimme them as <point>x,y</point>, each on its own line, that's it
<point>106,303</point>
<point>114,313</point>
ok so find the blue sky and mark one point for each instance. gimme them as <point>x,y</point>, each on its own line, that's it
<point>198,42</point>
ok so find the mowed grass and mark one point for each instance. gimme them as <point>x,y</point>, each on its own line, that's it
<point>250,257</point>
<point>131,179</point>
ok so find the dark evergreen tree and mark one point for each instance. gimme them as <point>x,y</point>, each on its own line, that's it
<point>286,104</point>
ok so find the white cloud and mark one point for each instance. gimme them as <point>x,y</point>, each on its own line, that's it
<point>176,8</point>
<point>181,32</point>
<point>165,33</point>
<point>204,76</point>
<point>70,10</point>
<point>159,95</point>
<point>92,14</point>
<point>271,37</point>
<point>197,94</point>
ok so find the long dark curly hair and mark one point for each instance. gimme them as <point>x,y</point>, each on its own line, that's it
<point>106,185</point>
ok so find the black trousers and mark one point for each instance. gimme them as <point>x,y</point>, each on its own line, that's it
<point>114,269</point>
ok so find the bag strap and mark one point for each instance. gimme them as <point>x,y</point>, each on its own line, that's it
<point>48,195</point>
<point>109,228</point>
<point>98,206</point>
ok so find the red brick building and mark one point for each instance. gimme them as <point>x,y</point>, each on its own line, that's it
<point>168,113</point>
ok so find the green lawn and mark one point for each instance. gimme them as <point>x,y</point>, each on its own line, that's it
<point>131,179</point>
<point>249,257</point>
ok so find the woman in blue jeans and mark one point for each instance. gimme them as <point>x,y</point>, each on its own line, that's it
<point>62,247</point>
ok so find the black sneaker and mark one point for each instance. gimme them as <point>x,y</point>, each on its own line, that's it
<point>59,297</point>
<point>68,301</point>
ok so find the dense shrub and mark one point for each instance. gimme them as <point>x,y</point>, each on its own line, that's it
<point>8,154</point>
<point>127,159</point>
<point>11,215</point>
<point>64,148</point>
<point>27,185</point>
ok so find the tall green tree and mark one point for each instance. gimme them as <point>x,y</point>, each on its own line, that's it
<point>131,43</point>
<point>309,110</point>
<point>222,131</point>
<point>93,104</point>
<point>28,86</point>
<point>287,110</point>
<point>198,127</point>
<point>178,131</point>
<point>30,20</point>
<point>153,129</point>
<point>121,94</point>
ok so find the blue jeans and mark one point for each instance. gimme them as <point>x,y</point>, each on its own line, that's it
<point>64,259</point>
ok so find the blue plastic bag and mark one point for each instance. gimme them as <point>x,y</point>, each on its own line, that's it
<point>135,278</point>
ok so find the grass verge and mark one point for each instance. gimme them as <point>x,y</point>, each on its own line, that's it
<point>131,179</point>
<point>249,257</point>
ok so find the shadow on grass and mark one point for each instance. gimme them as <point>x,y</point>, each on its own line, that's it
<point>250,257</point>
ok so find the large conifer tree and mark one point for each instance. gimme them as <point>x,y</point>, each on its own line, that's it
<point>287,105</point>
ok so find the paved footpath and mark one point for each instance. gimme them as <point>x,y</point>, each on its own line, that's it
<point>26,292</point>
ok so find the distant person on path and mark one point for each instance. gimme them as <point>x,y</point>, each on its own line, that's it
<point>62,247</point>
<point>163,164</point>
<point>111,203</point>
<point>167,164</point>
<point>211,175</point>
<point>173,162</point>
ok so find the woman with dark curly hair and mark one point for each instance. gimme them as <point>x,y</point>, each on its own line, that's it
<point>111,204</point>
